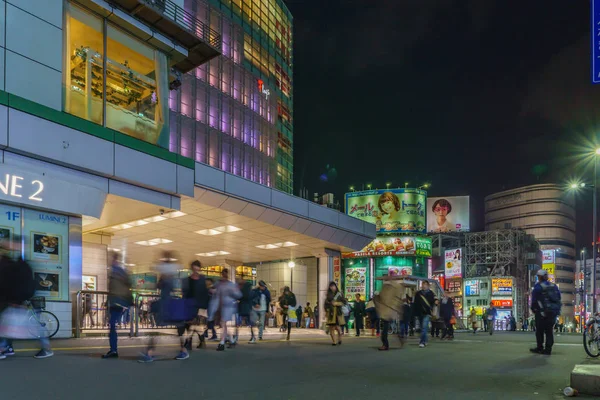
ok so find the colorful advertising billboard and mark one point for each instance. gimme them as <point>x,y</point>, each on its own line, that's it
<point>395,246</point>
<point>355,283</point>
<point>453,264</point>
<point>472,288</point>
<point>549,263</point>
<point>391,210</point>
<point>448,214</point>
<point>502,286</point>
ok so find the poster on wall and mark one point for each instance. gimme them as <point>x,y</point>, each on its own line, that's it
<point>88,282</point>
<point>454,286</point>
<point>46,249</point>
<point>391,210</point>
<point>355,283</point>
<point>337,271</point>
<point>400,271</point>
<point>549,263</point>
<point>472,288</point>
<point>453,263</point>
<point>448,214</point>
<point>144,281</point>
<point>395,246</point>
<point>502,286</point>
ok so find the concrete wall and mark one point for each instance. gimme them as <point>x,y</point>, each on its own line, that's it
<point>95,262</point>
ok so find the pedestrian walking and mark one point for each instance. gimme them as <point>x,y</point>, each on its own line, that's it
<point>359,314</point>
<point>405,319</point>
<point>210,325</point>
<point>245,314</point>
<point>16,287</point>
<point>422,308</point>
<point>333,310</point>
<point>346,311</point>
<point>119,299</point>
<point>372,314</point>
<point>260,302</point>
<point>448,316</point>
<point>288,304</point>
<point>525,325</point>
<point>485,320</point>
<point>310,315</point>
<point>195,291</point>
<point>436,322</point>
<point>224,306</point>
<point>299,316</point>
<point>316,318</point>
<point>490,315</point>
<point>473,320</point>
<point>546,305</point>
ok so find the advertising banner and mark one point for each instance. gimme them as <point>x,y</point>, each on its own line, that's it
<point>448,214</point>
<point>549,256</point>
<point>391,210</point>
<point>453,264</point>
<point>472,288</point>
<point>337,271</point>
<point>356,283</point>
<point>399,271</point>
<point>454,286</point>
<point>395,246</point>
<point>502,286</point>
<point>502,303</point>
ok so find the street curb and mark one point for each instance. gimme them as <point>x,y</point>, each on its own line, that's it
<point>586,379</point>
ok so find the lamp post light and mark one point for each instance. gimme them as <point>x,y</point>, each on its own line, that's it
<point>595,222</point>
<point>584,290</point>
<point>388,185</point>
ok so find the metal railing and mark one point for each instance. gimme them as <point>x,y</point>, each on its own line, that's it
<point>93,314</point>
<point>186,21</point>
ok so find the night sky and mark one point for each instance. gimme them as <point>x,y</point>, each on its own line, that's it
<point>473,96</point>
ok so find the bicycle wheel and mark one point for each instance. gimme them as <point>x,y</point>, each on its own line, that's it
<point>43,324</point>
<point>590,341</point>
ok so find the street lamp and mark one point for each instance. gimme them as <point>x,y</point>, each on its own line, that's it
<point>388,185</point>
<point>584,291</point>
<point>405,185</point>
<point>425,186</point>
<point>369,186</point>
<point>595,249</point>
<point>352,188</point>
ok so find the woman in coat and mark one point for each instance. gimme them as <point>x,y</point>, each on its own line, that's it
<point>447,311</point>
<point>224,303</point>
<point>333,309</point>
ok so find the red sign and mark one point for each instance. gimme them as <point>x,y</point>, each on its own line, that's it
<point>502,303</point>
<point>337,272</point>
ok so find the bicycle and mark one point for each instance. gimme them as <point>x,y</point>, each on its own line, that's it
<point>42,324</point>
<point>591,336</point>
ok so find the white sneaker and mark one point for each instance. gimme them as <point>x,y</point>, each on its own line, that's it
<point>2,356</point>
<point>252,341</point>
<point>422,345</point>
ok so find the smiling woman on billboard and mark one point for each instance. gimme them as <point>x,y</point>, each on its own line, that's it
<point>389,205</point>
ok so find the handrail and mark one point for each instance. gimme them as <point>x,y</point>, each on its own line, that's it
<point>186,20</point>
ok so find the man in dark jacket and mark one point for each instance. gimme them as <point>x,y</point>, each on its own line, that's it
<point>244,307</point>
<point>422,306</point>
<point>546,305</point>
<point>195,291</point>
<point>261,299</point>
<point>359,314</point>
<point>119,299</point>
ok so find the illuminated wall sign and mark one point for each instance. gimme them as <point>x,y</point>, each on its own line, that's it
<point>262,89</point>
<point>28,188</point>
<point>502,303</point>
<point>502,286</point>
<point>472,288</point>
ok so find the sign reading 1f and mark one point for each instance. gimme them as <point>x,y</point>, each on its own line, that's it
<point>595,40</point>
<point>15,186</point>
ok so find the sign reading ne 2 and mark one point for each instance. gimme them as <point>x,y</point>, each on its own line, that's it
<point>16,186</point>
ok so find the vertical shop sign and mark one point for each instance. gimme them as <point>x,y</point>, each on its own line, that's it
<point>337,273</point>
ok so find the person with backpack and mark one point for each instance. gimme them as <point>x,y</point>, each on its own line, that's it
<point>422,309</point>
<point>545,304</point>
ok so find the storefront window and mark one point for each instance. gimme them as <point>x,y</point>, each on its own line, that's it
<point>246,273</point>
<point>137,79</point>
<point>84,46</point>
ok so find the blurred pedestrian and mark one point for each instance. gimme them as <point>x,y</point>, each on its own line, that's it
<point>310,315</point>
<point>168,272</point>
<point>16,287</point>
<point>359,314</point>
<point>245,309</point>
<point>223,306</point>
<point>372,314</point>
<point>288,304</point>
<point>525,325</point>
<point>316,318</point>
<point>485,320</point>
<point>436,321</point>
<point>405,319</point>
<point>473,320</point>
<point>333,309</point>
<point>194,290</point>
<point>299,316</point>
<point>490,316</point>
<point>120,298</point>
<point>448,316</point>
<point>210,325</point>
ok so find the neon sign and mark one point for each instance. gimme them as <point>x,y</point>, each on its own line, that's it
<point>262,89</point>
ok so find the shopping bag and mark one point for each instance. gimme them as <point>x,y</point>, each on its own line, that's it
<point>15,323</point>
<point>180,310</point>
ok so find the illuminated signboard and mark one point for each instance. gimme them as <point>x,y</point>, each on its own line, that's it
<point>453,263</point>
<point>448,214</point>
<point>502,303</point>
<point>472,288</point>
<point>395,246</point>
<point>502,286</point>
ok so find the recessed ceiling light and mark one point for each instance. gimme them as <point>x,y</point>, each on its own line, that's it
<point>154,242</point>
<point>115,250</point>
<point>175,214</point>
<point>130,265</point>
<point>121,227</point>
<point>157,218</point>
<point>289,244</point>
<point>213,253</point>
<point>146,243</point>
<point>228,228</point>
<point>209,232</point>
<point>130,225</point>
<point>269,246</point>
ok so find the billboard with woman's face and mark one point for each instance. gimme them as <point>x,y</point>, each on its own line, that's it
<point>448,214</point>
<point>391,210</point>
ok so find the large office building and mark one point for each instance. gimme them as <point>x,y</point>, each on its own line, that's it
<point>140,126</point>
<point>547,212</point>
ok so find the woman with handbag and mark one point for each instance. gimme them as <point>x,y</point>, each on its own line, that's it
<point>333,309</point>
<point>447,313</point>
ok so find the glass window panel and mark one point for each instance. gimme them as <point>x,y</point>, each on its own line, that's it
<point>173,132</point>
<point>137,87</point>
<point>213,110</point>
<point>201,101</point>
<point>214,149</point>
<point>201,143</point>
<point>187,137</point>
<point>84,55</point>
<point>187,85</point>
